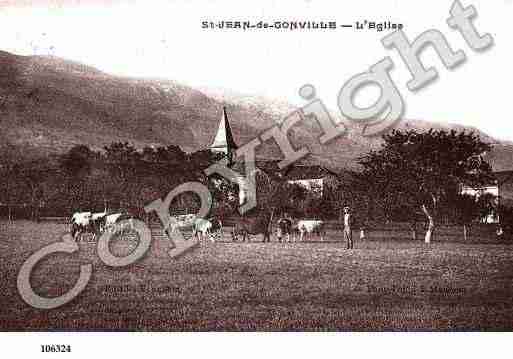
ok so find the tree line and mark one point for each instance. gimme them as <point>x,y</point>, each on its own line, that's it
<point>122,177</point>
<point>415,176</point>
<point>419,176</point>
<point>119,177</point>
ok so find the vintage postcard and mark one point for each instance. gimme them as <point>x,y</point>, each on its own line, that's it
<point>255,166</point>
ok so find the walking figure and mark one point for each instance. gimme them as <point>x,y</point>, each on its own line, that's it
<point>348,224</point>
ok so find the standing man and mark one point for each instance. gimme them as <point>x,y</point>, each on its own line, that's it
<point>348,224</point>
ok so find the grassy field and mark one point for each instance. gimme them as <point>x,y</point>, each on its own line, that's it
<point>392,284</point>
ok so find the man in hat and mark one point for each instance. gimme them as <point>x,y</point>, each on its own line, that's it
<point>348,224</point>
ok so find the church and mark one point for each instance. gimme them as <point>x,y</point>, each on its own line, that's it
<point>312,177</point>
<point>223,140</point>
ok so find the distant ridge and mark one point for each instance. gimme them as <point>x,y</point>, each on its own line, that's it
<point>48,104</point>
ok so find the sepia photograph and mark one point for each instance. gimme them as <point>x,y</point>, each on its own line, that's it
<point>222,166</point>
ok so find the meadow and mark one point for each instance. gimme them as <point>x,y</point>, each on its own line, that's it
<point>386,283</point>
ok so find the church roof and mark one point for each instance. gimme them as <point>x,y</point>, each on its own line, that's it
<point>306,172</point>
<point>291,173</point>
<point>224,136</point>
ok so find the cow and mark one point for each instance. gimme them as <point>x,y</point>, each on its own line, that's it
<point>284,228</point>
<point>183,221</point>
<point>80,223</point>
<point>201,228</point>
<point>112,219</point>
<point>206,228</point>
<point>217,228</point>
<point>307,228</point>
<point>256,224</point>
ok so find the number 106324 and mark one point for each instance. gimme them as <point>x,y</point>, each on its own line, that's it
<point>54,348</point>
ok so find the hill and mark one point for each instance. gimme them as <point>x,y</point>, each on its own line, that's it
<point>49,104</point>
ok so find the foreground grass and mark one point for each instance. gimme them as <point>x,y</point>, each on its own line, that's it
<point>381,285</point>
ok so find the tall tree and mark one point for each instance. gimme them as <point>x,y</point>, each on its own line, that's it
<point>467,210</point>
<point>34,174</point>
<point>76,166</point>
<point>10,172</point>
<point>420,169</point>
<point>122,161</point>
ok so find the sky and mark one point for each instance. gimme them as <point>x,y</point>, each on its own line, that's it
<point>165,39</point>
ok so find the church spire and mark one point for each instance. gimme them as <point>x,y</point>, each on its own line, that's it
<point>223,141</point>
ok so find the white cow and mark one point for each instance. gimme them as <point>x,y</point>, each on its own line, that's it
<point>202,228</point>
<point>111,219</point>
<point>205,228</point>
<point>307,228</point>
<point>81,218</point>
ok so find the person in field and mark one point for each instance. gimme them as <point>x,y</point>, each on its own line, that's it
<point>348,226</point>
<point>284,227</point>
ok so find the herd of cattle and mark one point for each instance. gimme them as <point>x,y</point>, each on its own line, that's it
<point>211,229</point>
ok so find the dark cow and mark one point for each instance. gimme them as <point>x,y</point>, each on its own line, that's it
<point>217,227</point>
<point>284,228</point>
<point>256,224</point>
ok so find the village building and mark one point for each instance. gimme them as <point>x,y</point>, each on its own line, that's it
<point>320,180</point>
<point>501,189</point>
<point>314,178</point>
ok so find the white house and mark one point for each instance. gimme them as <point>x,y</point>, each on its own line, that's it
<point>501,189</point>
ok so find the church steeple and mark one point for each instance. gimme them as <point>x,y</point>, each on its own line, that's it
<point>223,141</point>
